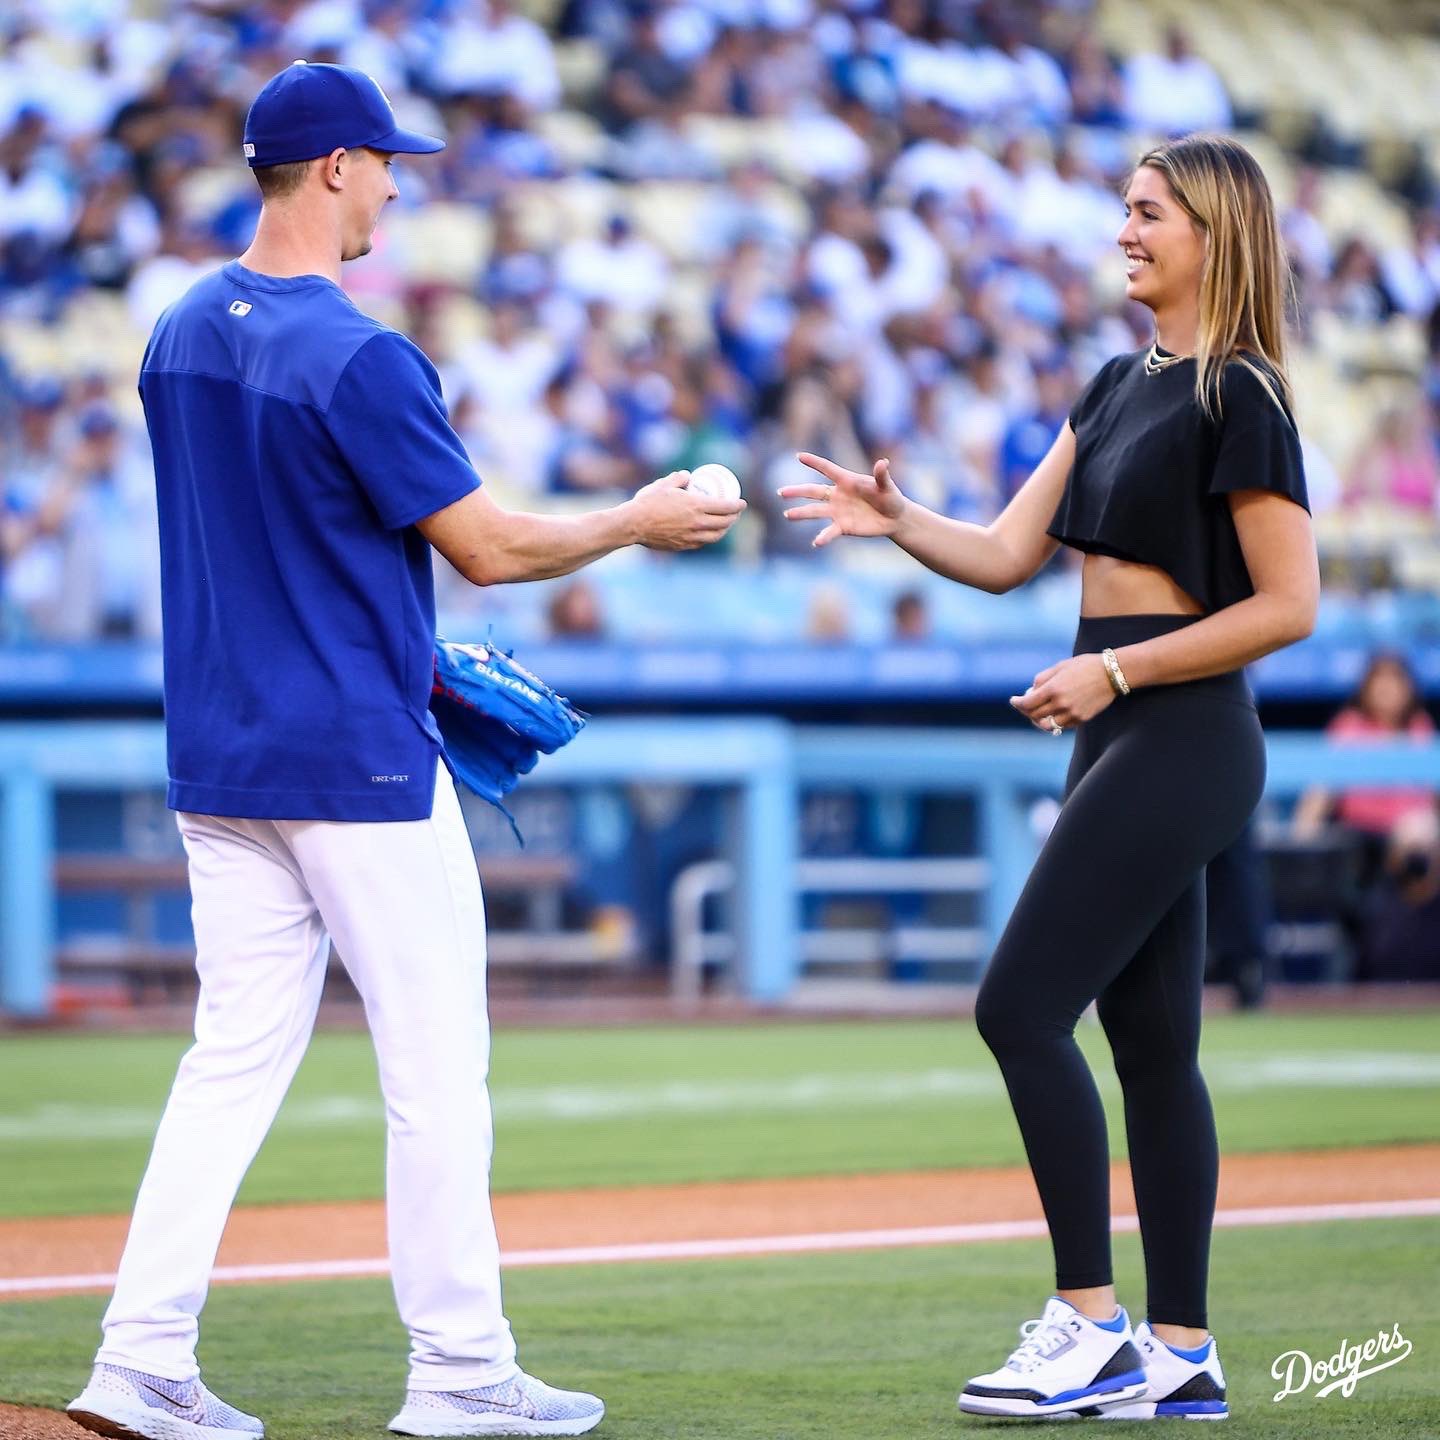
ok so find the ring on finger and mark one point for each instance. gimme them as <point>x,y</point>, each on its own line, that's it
<point>1055,727</point>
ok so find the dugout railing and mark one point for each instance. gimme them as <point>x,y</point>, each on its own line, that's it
<point>761,764</point>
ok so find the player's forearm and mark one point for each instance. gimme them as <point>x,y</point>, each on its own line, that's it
<point>971,554</point>
<point>1221,642</point>
<point>540,547</point>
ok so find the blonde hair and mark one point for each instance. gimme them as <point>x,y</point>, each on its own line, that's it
<point>1246,280</point>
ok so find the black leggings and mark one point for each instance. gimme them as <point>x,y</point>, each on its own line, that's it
<point>1160,782</point>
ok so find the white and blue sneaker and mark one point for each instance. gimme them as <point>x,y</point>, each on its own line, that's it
<point>131,1405</point>
<point>521,1405</point>
<point>1180,1384</point>
<point>1066,1365</point>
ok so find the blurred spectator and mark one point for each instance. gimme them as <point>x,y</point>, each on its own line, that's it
<point>1311,254</point>
<point>488,49</point>
<point>978,405</point>
<point>946,160</point>
<point>501,381</point>
<point>1386,705</point>
<point>115,229</point>
<point>828,620</point>
<point>1399,466</point>
<point>1176,92</point>
<point>1356,290</point>
<point>93,566</point>
<point>746,210</point>
<point>621,269</point>
<point>925,458</point>
<point>710,417</point>
<point>1401,938</point>
<point>574,612</point>
<point>1412,272</point>
<point>28,560</point>
<point>1059,206</point>
<point>31,458</point>
<point>187,253</point>
<point>645,83</point>
<point>1032,432</point>
<point>1097,90</point>
<point>1030,84</point>
<point>493,147</point>
<point>514,269</point>
<point>910,617</point>
<point>585,451</point>
<point>753,314</point>
<point>837,264</point>
<point>813,418</point>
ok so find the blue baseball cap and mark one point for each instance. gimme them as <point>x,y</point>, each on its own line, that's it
<point>309,110</point>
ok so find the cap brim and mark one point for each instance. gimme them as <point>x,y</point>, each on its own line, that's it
<point>406,142</point>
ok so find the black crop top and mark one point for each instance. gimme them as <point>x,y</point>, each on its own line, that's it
<point>1152,471</point>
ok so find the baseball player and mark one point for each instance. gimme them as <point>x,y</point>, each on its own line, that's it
<point>304,468</point>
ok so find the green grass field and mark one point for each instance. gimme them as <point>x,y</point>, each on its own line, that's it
<point>614,1107</point>
<point>837,1347</point>
<point>868,1346</point>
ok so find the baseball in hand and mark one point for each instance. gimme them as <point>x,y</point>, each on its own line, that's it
<point>715,481</point>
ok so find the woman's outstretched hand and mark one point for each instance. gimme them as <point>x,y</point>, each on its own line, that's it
<point>854,504</point>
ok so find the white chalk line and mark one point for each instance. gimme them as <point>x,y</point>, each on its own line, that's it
<point>759,1245</point>
<point>817,1092</point>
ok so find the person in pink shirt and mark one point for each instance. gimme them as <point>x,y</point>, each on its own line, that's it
<point>1386,703</point>
<point>1399,467</point>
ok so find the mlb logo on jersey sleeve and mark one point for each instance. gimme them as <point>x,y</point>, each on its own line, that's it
<point>240,307</point>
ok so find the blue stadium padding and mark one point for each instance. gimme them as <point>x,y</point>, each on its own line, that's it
<point>27,897</point>
<point>765,761</point>
<point>989,665</point>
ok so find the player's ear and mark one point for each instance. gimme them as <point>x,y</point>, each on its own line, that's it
<point>337,165</point>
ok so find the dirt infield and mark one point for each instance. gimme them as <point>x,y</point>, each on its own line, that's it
<point>20,1422</point>
<point>279,1234</point>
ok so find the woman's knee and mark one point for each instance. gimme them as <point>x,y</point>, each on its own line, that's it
<point>1145,1050</point>
<point>1009,1019</point>
<point>996,1016</point>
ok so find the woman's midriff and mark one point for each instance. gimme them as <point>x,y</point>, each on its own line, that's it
<point>1109,586</point>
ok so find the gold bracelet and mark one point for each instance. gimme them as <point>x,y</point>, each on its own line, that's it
<point>1118,682</point>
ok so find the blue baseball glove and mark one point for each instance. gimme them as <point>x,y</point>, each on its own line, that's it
<point>496,718</point>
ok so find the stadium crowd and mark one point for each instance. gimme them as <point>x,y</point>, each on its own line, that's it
<point>888,229</point>
<point>925,268</point>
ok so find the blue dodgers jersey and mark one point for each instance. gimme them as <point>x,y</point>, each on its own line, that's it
<point>296,443</point>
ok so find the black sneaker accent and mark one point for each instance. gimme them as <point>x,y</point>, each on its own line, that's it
<point>1199,1387</point>
<point>1125,1359</point>
<point>991,1393</point>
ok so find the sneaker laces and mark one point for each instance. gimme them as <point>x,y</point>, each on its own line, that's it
<point>1039,1340</point>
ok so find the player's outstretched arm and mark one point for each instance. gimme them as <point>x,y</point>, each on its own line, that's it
<point>491,546</point>
<point>995,557</point>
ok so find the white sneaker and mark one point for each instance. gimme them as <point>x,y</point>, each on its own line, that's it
<point>519,1406</point>
<point>131,1405</point>
<point>1066,1365</point>
<point>1177,1386</point>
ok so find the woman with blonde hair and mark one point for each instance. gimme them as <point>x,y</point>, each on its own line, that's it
<point>1179,476</point>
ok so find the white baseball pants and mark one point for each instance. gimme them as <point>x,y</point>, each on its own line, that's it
<point>402,901</point>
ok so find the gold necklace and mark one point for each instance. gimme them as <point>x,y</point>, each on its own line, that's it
<point>1155,362</point>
